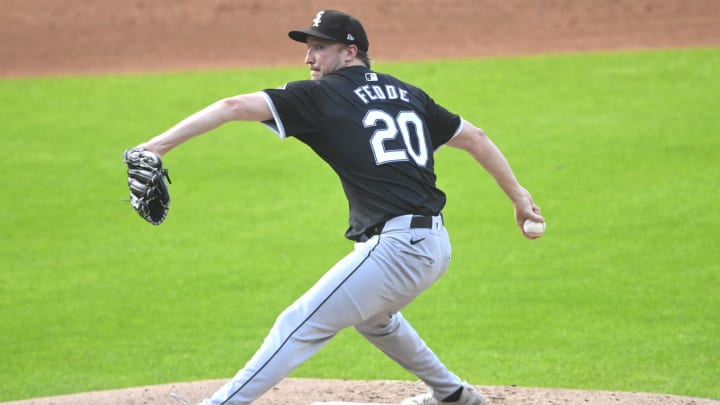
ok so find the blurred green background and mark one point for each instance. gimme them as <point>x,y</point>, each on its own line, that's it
<point>620,151</point>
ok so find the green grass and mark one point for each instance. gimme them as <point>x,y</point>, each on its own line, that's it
<point>620,151</point>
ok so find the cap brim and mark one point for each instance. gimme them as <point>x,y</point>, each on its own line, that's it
<point>301,35</point>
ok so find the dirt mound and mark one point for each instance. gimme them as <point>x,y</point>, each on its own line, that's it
<point>307,391</point>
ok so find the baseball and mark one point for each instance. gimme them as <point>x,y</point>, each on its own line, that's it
<point>533,228</point>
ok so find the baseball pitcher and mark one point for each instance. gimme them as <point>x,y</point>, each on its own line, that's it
<point>380,135</point>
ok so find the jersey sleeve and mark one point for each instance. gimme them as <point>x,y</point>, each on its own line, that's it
<point>293,109</point>
<point>442,124</point>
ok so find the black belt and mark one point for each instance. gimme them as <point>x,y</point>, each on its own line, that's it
<point>417,222</point>
<point>421,221</point>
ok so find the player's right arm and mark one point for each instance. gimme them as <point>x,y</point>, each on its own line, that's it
<point>246,107</point>
<point>474,141</point>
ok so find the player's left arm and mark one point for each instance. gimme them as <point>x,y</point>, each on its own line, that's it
<point>246,107</point>
<point>474,141</point>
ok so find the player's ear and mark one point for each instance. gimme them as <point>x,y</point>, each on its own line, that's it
<point>352,53</point>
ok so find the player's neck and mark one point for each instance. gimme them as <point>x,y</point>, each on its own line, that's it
<point>354,62</point>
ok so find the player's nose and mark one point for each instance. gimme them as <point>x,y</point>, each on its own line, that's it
<point>309,57</point>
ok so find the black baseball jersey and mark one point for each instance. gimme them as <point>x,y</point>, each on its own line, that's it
<point>379,135</point>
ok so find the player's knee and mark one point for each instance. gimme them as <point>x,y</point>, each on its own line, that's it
<point>383,325</point>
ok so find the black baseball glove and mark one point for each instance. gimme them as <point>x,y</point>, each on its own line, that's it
<point>149,194</point>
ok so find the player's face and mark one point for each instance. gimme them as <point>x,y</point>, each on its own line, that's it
<point>325,57</point>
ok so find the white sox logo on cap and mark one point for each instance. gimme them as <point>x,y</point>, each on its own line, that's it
<point>318,18</point>
<point>335,26</point>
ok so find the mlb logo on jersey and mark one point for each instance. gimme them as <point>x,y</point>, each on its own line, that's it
<point>371,77</point>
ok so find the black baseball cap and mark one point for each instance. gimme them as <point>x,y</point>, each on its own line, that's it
<point>335,26</point>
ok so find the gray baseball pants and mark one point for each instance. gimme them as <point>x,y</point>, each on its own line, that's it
<point>365,290</point>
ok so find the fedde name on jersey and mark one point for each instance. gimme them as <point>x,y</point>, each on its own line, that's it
<point>368,93</point>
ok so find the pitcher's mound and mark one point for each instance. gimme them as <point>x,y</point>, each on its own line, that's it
<point>301,391</point>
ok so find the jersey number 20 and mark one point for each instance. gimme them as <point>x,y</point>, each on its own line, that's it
<point>409,125</point>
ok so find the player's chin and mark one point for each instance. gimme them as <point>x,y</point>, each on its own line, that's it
<point>315,74</point>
